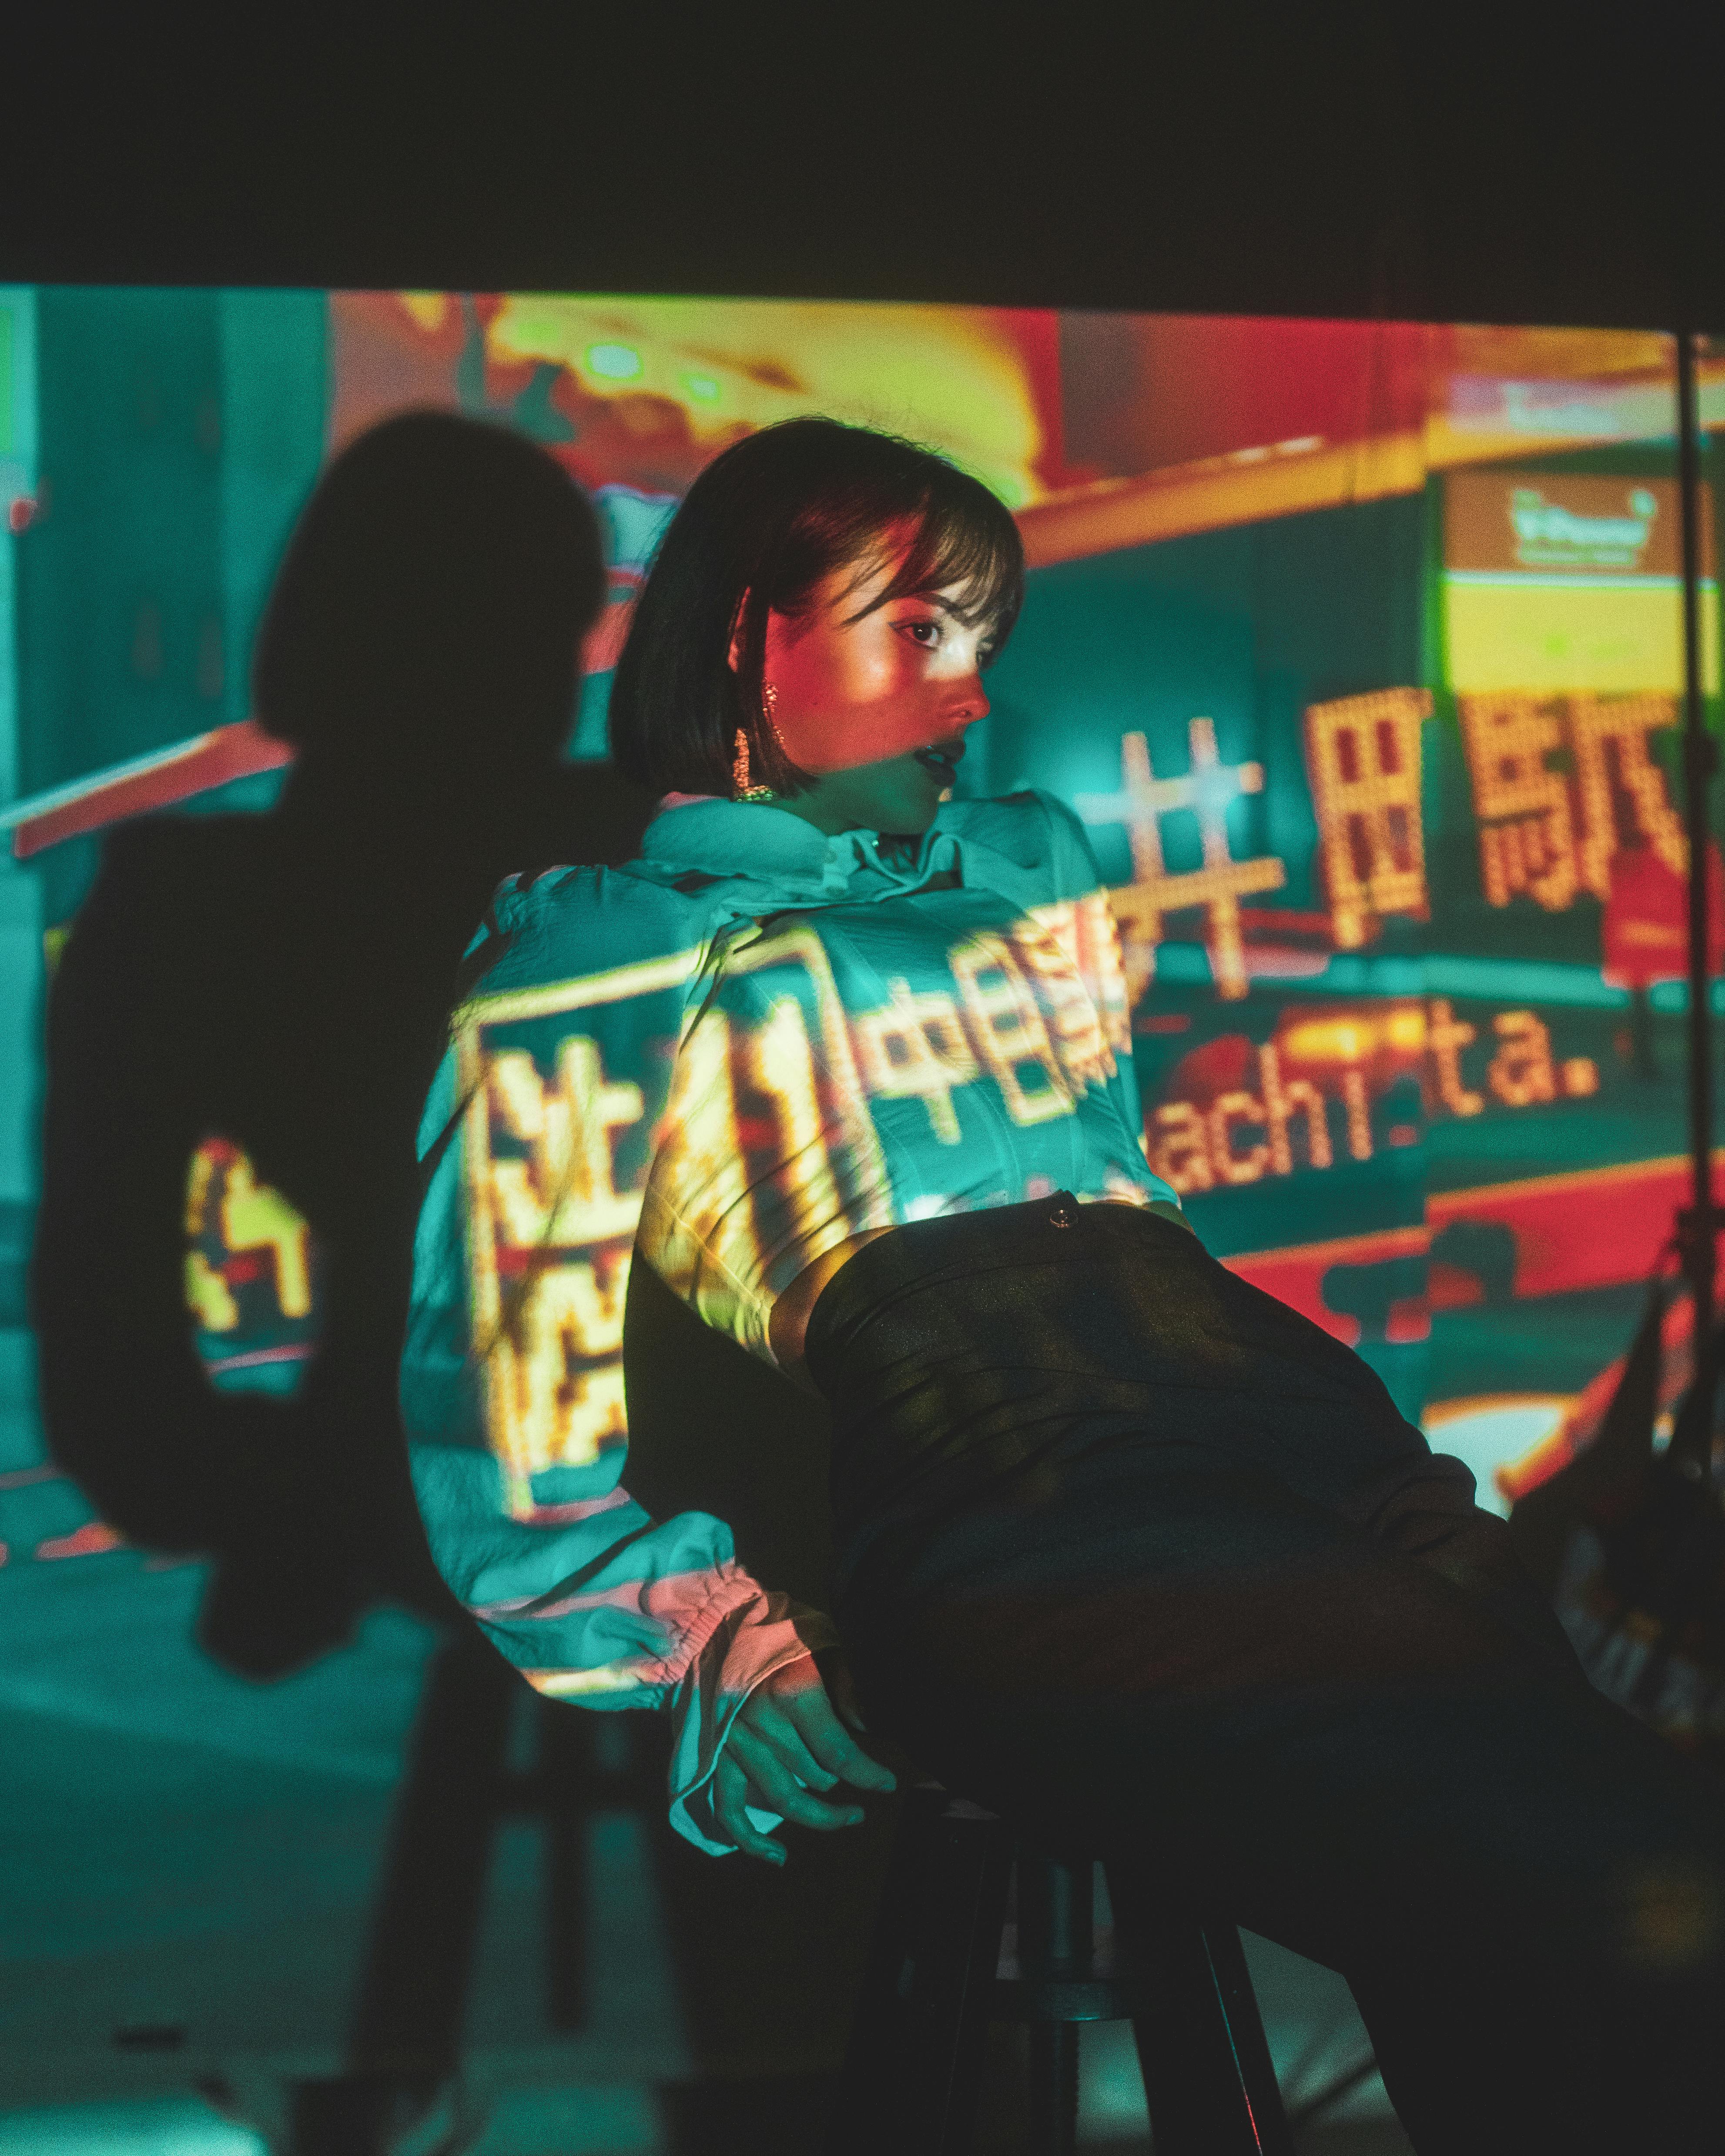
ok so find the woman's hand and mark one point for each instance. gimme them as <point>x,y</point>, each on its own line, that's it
<point>785,1743</point>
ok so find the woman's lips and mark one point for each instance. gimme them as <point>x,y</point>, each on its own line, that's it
<point>944,763</point>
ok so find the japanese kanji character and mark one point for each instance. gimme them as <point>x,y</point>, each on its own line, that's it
<point>1598,726</point>
<point>1206,790</point>
<point>915,1047</point>
<point>1527,833</point>
<point>1007,1029</point>
<point>1362,755</point>
<point>565,1191</point>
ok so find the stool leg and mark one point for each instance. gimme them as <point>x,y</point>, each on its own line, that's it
<point>915,2060</point>
<point>413,1991</point>
<point>1053,2088</point>
<point>1237,2003</point>
<point>1207,2077</point>
<point>1057,1938</point>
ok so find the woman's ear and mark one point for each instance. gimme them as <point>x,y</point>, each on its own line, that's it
<point>733,656</point>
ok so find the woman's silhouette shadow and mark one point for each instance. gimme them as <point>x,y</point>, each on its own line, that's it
<point>268,994</point>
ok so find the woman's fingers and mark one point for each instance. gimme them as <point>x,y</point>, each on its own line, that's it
<point>775,1788</point>
<point>763,1711</point>
<point>785,1744</point>
<point>792,1712</point>
<point>810,1713</point>
<point>732,1795</point>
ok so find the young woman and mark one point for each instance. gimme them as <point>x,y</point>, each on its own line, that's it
<point>1127,1548</point>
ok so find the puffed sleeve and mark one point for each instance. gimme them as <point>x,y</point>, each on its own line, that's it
<point>535,1145</point>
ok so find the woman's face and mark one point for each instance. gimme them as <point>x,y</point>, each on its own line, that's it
<point>875,700</point>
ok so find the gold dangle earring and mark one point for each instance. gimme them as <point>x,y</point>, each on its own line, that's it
<point>742,788</point>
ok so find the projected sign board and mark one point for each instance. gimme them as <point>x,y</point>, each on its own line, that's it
<point>1365,923</point>
<point>1562,583</point>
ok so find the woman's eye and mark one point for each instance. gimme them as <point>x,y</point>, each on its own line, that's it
<point>927,633</point>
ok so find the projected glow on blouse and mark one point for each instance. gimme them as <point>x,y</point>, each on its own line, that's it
<point>765,1146</point>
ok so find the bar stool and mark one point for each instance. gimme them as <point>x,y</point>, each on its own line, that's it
<point>944,1964</point>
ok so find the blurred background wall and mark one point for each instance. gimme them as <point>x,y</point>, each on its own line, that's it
<point>1356,645</point>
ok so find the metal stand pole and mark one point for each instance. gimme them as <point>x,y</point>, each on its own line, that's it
<point>1696,1226</point>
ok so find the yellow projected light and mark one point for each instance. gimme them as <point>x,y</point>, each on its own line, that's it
<point>1561,583</point>
<point>1609,640</point>
<point>947,376</point>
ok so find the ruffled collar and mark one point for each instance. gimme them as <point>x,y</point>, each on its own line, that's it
<point>793,862</point>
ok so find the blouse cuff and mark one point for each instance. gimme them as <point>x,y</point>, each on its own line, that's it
<point>755,1636</point>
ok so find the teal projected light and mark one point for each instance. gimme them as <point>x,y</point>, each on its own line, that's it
<point>613,363</point>
<point>18,403</point>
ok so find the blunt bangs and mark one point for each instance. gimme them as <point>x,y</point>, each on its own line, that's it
<point>955,547</point>
<point>762,525</point>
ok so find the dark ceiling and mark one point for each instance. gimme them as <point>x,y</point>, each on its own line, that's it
<point>1539,165</point>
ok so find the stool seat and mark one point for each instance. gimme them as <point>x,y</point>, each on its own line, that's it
<point>945,1961</point>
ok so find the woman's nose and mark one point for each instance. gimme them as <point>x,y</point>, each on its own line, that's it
<point>971,704</point>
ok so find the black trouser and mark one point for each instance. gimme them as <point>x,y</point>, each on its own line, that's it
<point>1133,1553</point>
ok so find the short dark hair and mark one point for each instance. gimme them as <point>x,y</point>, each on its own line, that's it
<point>760,527</point>
<point>433,598</point>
